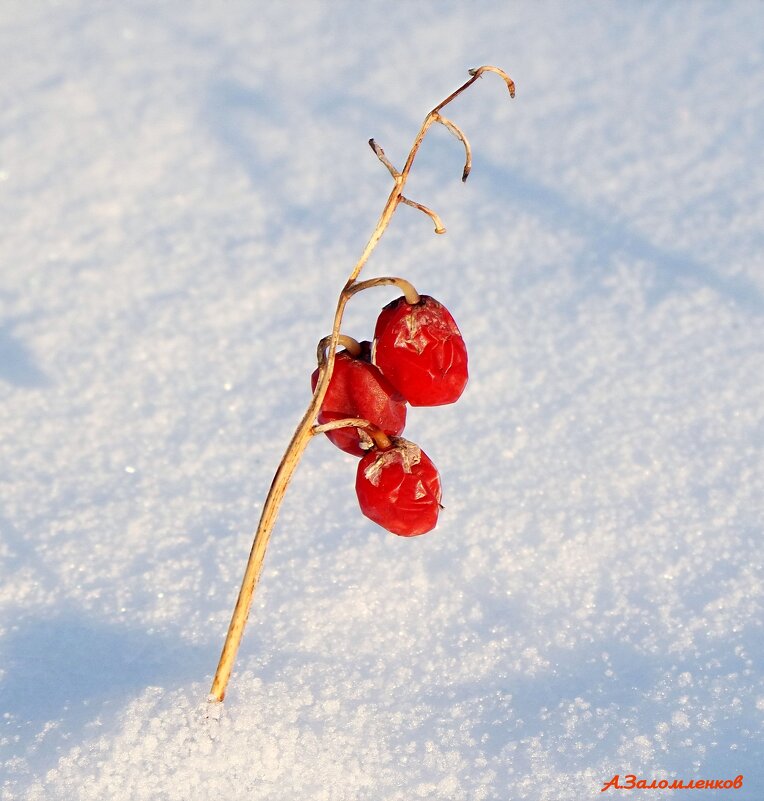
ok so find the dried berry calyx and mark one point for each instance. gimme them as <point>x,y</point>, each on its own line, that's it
<point>420,351</point>
<point>358,389</point>
<point>399,488</point>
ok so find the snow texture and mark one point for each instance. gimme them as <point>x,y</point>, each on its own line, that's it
<point>184,187</point>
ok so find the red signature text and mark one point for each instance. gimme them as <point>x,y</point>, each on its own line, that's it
<point>631,782</point>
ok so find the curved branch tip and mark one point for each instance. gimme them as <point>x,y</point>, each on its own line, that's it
<point>478,71</point>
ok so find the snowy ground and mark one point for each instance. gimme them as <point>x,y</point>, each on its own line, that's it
<point>183,189</point>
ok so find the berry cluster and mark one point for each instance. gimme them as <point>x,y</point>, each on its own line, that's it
<point>360,393</point>
<point>417,357</point>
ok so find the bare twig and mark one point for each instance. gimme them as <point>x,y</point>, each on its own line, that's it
<point>383,158</point>
<point>476,73</point>
<point>439,229</point>
<point>381,440</point>
<point>306,429</point>
<point>406,287</point>
<point>352,346</point>
<point>459,134</point>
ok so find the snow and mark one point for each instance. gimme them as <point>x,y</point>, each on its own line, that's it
<point>184,188</point>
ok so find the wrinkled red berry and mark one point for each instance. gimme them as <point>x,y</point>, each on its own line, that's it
<point>358,389</point>
<point>399,488</point>
<point>420,351</point>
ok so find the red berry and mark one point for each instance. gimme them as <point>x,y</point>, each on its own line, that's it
<point>420,351</point>
<point>358,389</point>
<point>399,488</point>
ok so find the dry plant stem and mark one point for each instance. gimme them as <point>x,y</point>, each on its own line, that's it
<point>305,429</point>
<point>381,440</point>
<point>460,135</point>
<point>383,158</point>
<point>352,346</point>
<point>439,229</point>
<point>431,117</point>
<point>406,287</point>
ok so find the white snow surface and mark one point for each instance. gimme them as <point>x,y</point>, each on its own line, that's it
<point>184,187</point>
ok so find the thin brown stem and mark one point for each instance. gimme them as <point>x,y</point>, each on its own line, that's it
<point>383,158</point>
<point>439,227</point>
<point>476,73</point>
<point>406,287</point>
<point>352,346</point>
<point>381,440</point>
<point>305,429</point>
<point>460,135</point>
<point>430,118</point>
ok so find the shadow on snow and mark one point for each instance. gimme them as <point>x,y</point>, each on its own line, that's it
<point>71,672</point>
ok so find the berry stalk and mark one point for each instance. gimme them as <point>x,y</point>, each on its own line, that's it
<point>381,440</point>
